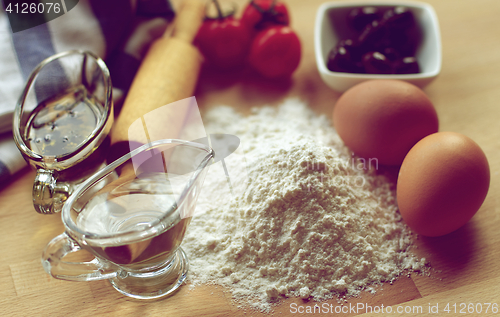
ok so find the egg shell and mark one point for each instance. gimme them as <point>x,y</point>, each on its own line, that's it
<point>442,183</point>
<point>383,119</point>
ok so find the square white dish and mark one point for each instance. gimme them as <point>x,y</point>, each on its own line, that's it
<point>326,36</point>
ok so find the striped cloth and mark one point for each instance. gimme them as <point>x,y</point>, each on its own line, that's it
<point>119,31</point>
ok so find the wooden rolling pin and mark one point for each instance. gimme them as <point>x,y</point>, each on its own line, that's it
<point>168,73</point>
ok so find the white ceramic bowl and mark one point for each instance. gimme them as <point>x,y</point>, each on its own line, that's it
<point>326,37</point>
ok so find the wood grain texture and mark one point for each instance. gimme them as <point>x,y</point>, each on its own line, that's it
<point>465,263</point>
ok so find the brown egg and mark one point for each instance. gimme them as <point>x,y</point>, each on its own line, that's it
<point>383,119</point>
<point>442,183</point>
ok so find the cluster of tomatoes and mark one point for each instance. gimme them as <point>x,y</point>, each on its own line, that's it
<point>261,38</point>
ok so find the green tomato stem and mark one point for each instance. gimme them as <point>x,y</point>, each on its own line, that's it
<point>219,10</point>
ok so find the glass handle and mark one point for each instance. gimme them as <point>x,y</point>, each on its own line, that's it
<point>53,264</point>
<point>49,195</point>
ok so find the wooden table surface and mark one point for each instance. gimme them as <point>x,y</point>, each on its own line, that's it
<point>465,263</point>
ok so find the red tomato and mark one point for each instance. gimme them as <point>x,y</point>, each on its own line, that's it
<point>275,52</point>
<point>224,41</point>
<point>263,13</point>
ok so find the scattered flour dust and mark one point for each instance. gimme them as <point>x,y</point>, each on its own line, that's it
<point>305,219</point>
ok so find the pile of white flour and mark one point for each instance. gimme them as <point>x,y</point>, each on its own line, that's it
<point>305,219</point>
